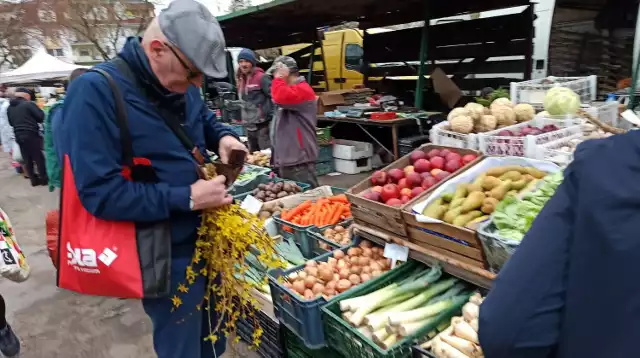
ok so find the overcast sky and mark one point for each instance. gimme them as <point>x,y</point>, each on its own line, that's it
<point>217,7</point>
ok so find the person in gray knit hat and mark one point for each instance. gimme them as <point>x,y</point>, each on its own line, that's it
<point>295,149</point>
<point>254,89</point>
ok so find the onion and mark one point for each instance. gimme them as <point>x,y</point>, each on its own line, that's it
<point>366,270</point>
<point>309,281</point>
<point>317,288</point>
<point>338,254</point>
<point>365,244</point>
<point>343,285</point>
<point>311,271</point>
<point>355,279</point>
<point>311,263</point>
<point>364,261</point>
<point>308,295</point>
<point>336,277</point>
<point>376,273</point>
<point>302,275</point>
<point>331,284</point>
<point>325,274</point>
<point>341,264</point>
<point>344,273</point>
<point>375,266</point>
<point>356,270</point>
<point>355,260</point>
<point>337,238</point>
<point>298,286</point>
<point>338,228</point>
<point>354,251</point>
<point>332,261</point>
<point>329,291</point>
<point>367,252</point>
<point>365,277</point>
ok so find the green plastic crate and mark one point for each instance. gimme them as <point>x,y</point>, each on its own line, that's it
<point>350,343</point>
<point>323,136</point>
<point>325,153</point>
<point>317,231</point>
<point>324,168</point>
<point>241,192</point>
<point>296,349</point>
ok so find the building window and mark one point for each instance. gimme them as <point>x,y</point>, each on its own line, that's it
<point>85,53</point>
<point>353,57</point>
<point>47,16</point>
<point>55,52</point>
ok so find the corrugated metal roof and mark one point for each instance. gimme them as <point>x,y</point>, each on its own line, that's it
<point>284,22</point>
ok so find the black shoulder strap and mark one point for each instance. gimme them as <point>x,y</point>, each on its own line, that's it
<point>121,119</point>
<point>168,118</point>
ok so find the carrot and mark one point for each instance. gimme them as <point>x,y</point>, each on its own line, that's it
<point>336,215</point>
<point>298,210</point>
<point>341,198</point>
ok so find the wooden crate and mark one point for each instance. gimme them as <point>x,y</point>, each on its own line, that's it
<point>388,218</point>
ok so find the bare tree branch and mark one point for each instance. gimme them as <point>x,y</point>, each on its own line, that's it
<point>16,40</point>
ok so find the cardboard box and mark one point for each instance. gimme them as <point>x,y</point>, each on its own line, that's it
<point>329,101</point>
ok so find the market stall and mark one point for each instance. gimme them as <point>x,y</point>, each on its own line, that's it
<point>40,67</point>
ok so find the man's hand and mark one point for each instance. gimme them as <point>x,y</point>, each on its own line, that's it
<point>281,72</point>
<point>207,194</point>
<point>227,144</point>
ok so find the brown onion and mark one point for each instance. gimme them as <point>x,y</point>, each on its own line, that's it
<point>354,279</point>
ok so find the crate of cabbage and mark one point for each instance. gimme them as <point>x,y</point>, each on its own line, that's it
<point>377,201</point>
<point>299,293</point>
<point>446,219</point>
<point>385,318</point>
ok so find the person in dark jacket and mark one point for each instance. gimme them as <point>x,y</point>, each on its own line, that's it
<point>571,288</point>
<point>25,117</point>
<point>257,107</point>
<point>51,122</point>
<point>294,138</point>
<point>179,47</point>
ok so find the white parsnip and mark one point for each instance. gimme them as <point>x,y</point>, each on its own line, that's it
<point>449,351</point>
<point>474,324</point>
<point>462,329</point>
<point>469,348</point>
<point>470,311</point>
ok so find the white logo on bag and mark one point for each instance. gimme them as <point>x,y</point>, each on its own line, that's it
<point>86,260</point>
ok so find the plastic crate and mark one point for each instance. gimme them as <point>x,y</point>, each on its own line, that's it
<point>316,232</point>
<point>349,342</point>
<point>440,135</point>
<point>303,317</point>
<point>271,345</point>
<point>351,149</point>
<point>296,349</point>
<point>324,168</point>
<point>533,91</point>
<point>608,113</point>
<point>491,144</point>
<point>352,166</point>
<point>325,153</point>
<point>497,249</point>
<point>240,193</point>
<point>553,152</point>
<point>323,136</point>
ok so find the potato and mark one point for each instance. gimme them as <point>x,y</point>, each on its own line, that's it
<point>264,215</point>
<point>282,194</point>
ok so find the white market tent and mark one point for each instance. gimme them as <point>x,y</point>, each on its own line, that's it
<point>41,66</point>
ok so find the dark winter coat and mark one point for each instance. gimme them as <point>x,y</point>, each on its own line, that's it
<point>25,117</point>
<point>571,288</point>
<point>255,92</point>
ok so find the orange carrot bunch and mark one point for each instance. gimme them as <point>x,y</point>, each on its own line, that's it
<point>325,211</point>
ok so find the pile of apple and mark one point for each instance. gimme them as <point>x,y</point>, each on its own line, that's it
<point>397,186</point>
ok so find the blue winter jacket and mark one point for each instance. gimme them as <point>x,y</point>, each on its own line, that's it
<point>89,135</point>
<point>571,289</point>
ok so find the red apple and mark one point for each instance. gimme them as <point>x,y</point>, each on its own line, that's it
<point>422,165</point>
<point>453,156</point>
<point>377,189</point>
<point>437,162</point>
<point>445,152</point>
<point>468,158</point>
<point>418,154</point>
<point>452,166</point>
<point>396,174</point>
<point>405,192</point>
<point>403,183</point>
<point>442,175</point>
<point>405,199</point>
<point>426,175</point>
<point>433,153</point>
<point>408,169</point>
<point>435,172</point>
<point>389,191</point>
<point>379,178</point>
<point>372,195</point>
<point>428,183</point>
<point>416,191</point>
<point>395,202</point>
<point>414,180</point>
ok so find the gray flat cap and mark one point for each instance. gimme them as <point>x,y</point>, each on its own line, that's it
<point>192,28</point>
<point>285,61</point>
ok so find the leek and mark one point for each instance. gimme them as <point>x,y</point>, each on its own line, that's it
<point>379,320</point>
<point>381,299</point>
<point>390,341</point>
<point>422,313</point>
<point>380,335</point>
<point>408,329</point>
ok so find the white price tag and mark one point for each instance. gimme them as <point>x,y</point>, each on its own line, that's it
<point>251,205</point>
<point>396,253</point>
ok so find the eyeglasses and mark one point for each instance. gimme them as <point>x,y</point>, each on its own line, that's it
<point>191,74</point>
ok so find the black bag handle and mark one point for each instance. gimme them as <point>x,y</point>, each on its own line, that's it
<point>168,118</point>
<point>121,119</point>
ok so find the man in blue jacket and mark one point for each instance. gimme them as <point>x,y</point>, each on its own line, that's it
<point>571,289</point>
<point>181,45</point>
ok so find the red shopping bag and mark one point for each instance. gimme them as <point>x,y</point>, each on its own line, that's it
<point>112,258</point>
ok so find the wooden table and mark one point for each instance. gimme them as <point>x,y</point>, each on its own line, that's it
<point>362,122</point>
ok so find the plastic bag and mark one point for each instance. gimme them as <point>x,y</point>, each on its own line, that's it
<point>13,264</point>
<point>16,153</point>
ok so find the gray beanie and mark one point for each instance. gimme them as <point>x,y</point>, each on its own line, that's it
<point>285,61</point>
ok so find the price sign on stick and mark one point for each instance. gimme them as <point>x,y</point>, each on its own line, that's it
<point>251,205</point>
<point>396,253</point>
